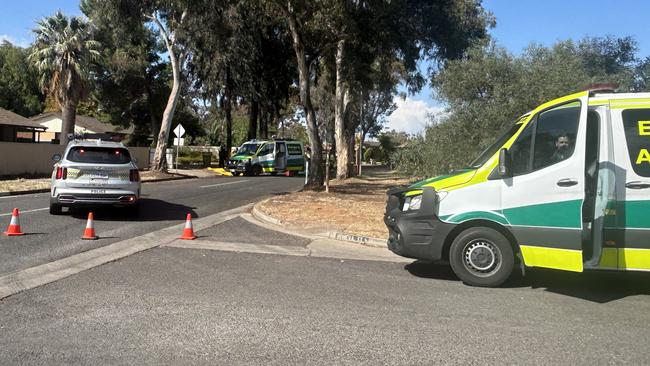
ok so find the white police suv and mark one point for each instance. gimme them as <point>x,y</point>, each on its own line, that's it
<point>94,172</point>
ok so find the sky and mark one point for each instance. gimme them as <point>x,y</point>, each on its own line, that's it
<point>519,23</point>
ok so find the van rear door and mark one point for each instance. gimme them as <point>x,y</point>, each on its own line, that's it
<point>542,201</point>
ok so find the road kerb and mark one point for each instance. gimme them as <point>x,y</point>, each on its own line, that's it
<point>33,277</point>
<point>359,239</point>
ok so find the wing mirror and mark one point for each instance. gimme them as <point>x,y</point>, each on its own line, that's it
<point>56,157</point>
<point>505,167</point>
<point>134,160</point>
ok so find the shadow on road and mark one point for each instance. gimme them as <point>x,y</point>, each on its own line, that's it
<point>599,287</point>
<point>150,210</point>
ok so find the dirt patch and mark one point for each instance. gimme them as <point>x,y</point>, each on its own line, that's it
<point>23,184</point>
<point>12,184</point>
<point>353,206</point>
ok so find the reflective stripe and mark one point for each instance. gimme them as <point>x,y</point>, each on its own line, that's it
<point>565,259</point>
<point>633,258</point>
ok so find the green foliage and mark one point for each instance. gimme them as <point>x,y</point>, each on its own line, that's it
<point>19,91</point>
<point>373,153</point>
<point>490,88</point>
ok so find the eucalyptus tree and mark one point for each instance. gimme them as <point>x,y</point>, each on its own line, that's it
<point>370,31</point>
<point>131,79</point>
<point>61,53</point>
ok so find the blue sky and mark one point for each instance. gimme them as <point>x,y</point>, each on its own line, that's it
<point>522,22</point>
<point>519,23</point>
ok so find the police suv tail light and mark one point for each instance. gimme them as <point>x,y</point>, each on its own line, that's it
<point>61,173</point>
<point>134,175</point>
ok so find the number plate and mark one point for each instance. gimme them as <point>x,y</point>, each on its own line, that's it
<point>97,191</point>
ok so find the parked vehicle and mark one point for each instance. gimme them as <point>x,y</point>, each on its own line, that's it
<point>567,187</point>
<point>94,172</point>
<point>274,156</point>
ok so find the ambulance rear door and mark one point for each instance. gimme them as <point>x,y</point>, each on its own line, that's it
<point>631,132</point>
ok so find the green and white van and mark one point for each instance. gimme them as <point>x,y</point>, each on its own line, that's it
<point>273,156</point>
<point>567,187</point>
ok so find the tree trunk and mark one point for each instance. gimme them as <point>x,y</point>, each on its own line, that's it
<point>68,117</point>
<point>168,115</point>
<point>342,166</point>
<point>362,139</point>
<point>228,109</point>
<point>315,179</point>
<point>252,119</point>
<point>265,115</point>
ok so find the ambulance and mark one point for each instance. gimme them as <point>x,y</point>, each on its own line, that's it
<point>566,187</point>
<point>275,156</point>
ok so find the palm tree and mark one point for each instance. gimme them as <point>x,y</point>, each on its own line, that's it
<point>61,52</point>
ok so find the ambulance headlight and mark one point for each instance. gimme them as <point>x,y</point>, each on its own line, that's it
<point>412,203</point>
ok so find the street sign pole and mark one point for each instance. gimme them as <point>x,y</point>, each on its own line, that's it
<point>179,131</point>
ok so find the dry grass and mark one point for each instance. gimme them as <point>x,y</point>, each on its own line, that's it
<point>22,184</point>
<point>353,206</point>
<point>10,184</point>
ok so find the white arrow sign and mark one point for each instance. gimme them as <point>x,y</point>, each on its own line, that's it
<point>179,131</point>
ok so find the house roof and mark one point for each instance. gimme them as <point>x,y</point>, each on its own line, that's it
<point>13,119</point>
<point>86,122</point>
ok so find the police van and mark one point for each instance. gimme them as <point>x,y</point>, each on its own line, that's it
<point>273,156</point>
<point>566,187</point>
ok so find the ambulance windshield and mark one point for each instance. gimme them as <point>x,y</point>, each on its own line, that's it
<point>492,149</point>
<point>248,149</point>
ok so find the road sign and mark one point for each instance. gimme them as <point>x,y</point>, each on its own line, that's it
<point>178,141</point>
<point>179,131</point>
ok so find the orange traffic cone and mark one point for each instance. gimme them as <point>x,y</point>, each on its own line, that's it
<point>188,232</point>
<point>89,233</point>
<point>14,225</point>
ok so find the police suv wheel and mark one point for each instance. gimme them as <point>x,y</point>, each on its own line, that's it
<point>481,257</point>
<point>55,209</point>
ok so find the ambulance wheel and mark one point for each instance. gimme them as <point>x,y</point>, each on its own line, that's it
<point>55,209</point>
<point>257,170</point>
<point>481,257</point>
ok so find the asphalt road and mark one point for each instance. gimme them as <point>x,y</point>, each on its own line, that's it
<point>171,305</point>
<point>163,204</point>
<point>186,306</point>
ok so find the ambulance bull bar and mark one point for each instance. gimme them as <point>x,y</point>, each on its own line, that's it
<point>415,233</point>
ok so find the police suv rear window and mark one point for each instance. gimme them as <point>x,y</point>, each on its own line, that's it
<point>99,155</point>
<point>637,134</point>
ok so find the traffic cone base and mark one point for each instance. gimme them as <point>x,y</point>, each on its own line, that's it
<point>188,232</point>
<point>89,232</point>
<point>14,225</point>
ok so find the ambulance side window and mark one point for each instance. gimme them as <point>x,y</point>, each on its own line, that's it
<point>555,135</point>
<point>548,139</point>
<point>267,149</point>
<point>637,135</point>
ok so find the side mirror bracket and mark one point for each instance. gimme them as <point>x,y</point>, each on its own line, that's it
<point>505,167</point>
